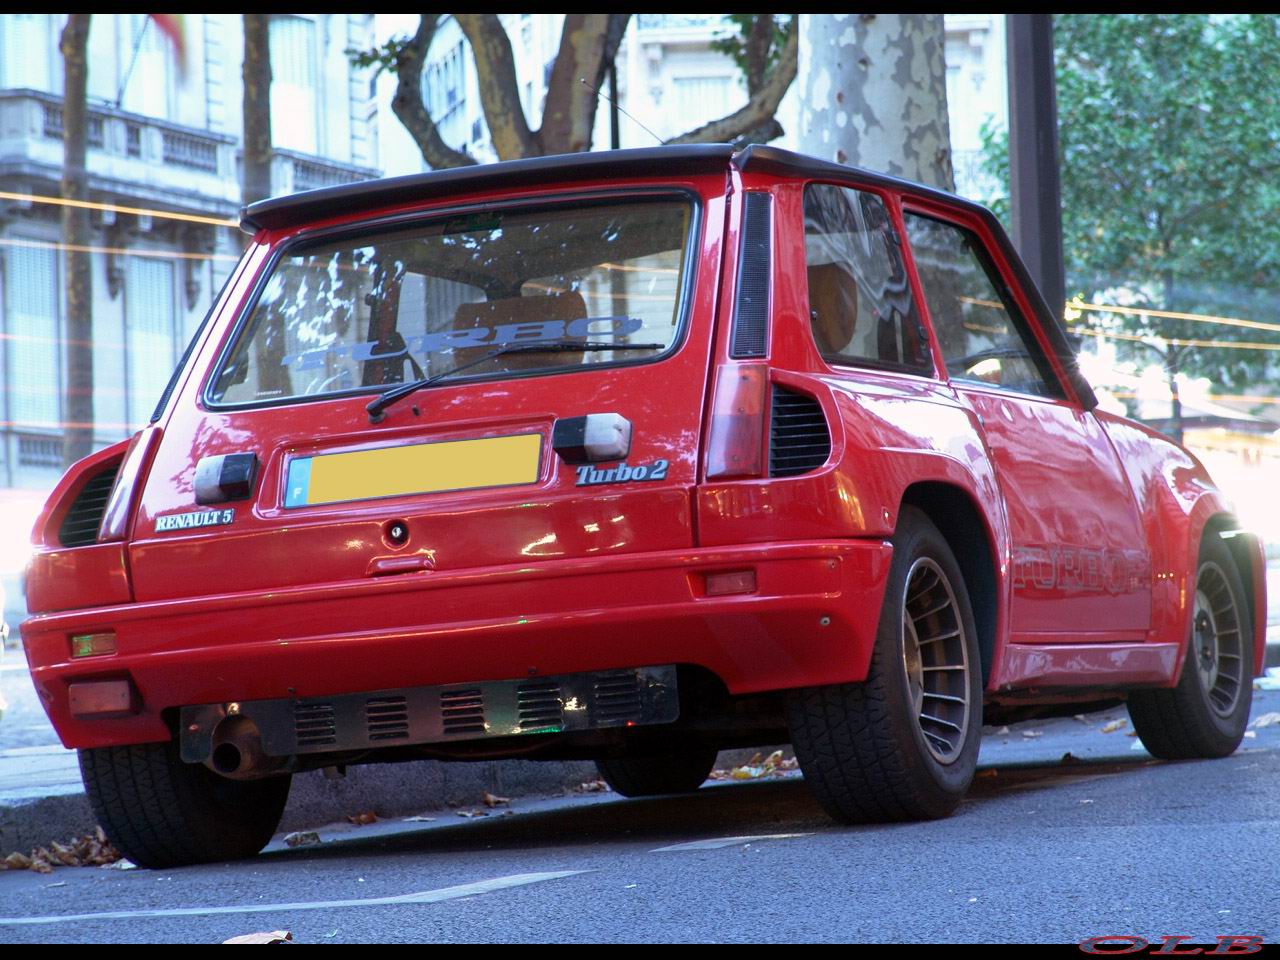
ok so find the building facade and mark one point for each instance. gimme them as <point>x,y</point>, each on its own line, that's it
<point>164,136</point>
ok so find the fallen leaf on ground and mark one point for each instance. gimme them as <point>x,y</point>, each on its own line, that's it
<point>981,774</point>
<point>363,818</point>
<point>472,813</point>
<point>1115,725</point>
<point>1032,734</point>
<point>264,936</point>
<point>756,767</point>
<point>90,850</point>
<point>1080,718</point>
<point>1002,732</point>
<point>1251,734</point>
<point>301,838</point>
<point>1266,720</point>
<point>593,786</point>
<point>492,801</point>
<point>418,819</point>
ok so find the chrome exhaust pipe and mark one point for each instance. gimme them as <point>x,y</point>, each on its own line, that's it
<point>237,751</point>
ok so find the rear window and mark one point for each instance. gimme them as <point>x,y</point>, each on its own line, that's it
<point>357,314</point>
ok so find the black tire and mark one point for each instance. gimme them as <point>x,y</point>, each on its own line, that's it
<point>868,750</point>
<point>1205,715</point>
<point>649,776</point>
<point>160,812</point>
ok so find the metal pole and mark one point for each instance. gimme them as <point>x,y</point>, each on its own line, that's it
<point>615,131</point>
<point>1035,189</point>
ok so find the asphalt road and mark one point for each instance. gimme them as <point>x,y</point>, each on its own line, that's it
<point>1041,851</point>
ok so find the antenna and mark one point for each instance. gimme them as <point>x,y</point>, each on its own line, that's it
<point>601,93</point>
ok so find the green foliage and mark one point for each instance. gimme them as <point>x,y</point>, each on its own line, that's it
<point>1169,128</point>
<point>383,57</point>
<point>735,45</point>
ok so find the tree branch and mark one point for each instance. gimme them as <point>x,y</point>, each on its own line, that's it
<point>499,92</point>
<point>759,109</point>
<point>588,44</point>
<point>408,106</point>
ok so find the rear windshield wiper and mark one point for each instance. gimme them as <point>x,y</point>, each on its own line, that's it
<point>395,394</point>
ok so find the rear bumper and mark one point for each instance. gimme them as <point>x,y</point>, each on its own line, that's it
<point>811,620</point>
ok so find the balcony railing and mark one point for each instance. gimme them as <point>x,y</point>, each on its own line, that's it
<point>294,172</point>
<point>127,152</point>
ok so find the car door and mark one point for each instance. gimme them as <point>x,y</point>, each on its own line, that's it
<point>1079,567</point>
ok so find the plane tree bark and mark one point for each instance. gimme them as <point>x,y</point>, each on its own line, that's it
<point>78,408</point>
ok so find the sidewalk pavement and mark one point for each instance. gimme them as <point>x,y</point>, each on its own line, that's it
<point>42,798</point>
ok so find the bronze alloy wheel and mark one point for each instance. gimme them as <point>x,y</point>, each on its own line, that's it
<point>1216,640</point>
<point>935,656</point>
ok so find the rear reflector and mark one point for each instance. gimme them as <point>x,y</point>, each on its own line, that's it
<point>724,584</point>
<point>93,644</point>
<point>101,698</point>
<point>735,442</point>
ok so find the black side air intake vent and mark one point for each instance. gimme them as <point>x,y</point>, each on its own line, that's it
<point>798,437</point>
<point>80,527</point>
<point>751,314</point>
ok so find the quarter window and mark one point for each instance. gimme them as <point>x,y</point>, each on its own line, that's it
<point>860,305</point>
<point>983,337</point>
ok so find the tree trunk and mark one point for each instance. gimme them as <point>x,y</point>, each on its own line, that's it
<point>78,414</point>
<point>257,107</point>
<point>875,93</point>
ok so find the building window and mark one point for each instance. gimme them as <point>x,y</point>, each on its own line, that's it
<point>149,331</point>
<point>31,321</point>
<point>294,80</point>
<point>24,51</point>
<point>146,57</point>
<point>702,99</point>
<point>445,93</point>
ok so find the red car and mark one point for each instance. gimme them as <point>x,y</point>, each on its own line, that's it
<point>625,456</point>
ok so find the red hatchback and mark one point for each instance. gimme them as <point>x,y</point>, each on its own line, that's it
<point>625,456</point>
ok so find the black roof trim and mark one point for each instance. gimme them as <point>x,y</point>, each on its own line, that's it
<point>312,205</point>
<point>764,159</point>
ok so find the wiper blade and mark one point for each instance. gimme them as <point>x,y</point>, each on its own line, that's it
<point>395,394</point>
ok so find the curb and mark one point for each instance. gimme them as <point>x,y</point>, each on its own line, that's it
<point>389,790</point>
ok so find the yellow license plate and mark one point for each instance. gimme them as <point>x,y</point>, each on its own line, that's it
<point>413,468</point>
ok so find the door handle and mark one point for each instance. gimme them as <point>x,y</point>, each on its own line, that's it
<point>388,566</point>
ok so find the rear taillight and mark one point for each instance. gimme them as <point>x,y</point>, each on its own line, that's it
<point>735,441</point>
<point>115,518</point>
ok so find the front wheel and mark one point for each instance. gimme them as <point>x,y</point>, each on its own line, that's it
<point>160,812</point>
<point>902,745</point>
<point>1205,715</point>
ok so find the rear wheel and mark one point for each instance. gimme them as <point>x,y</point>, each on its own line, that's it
<point>1205,715</point>
<point>903,745</point>
<point>160,812</point>
<point>682,771</point>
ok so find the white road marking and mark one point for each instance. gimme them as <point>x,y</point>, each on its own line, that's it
<point>726,842</point>
<point>425,896</point>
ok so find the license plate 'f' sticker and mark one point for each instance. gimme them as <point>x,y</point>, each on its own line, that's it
<point>194,520</point>
<point>414,468</point>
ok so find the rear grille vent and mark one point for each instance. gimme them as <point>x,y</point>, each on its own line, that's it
<point>798,437</point>
<point>617,698</point>
<point>462,711</point>
<point>751,315</point>
<point>80,527</point>
<point>540,705</point>
<point>387,718</point>
<point>314,724</point>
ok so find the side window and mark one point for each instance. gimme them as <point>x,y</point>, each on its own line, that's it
<point>983,337</point>
<point>860,304</point>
